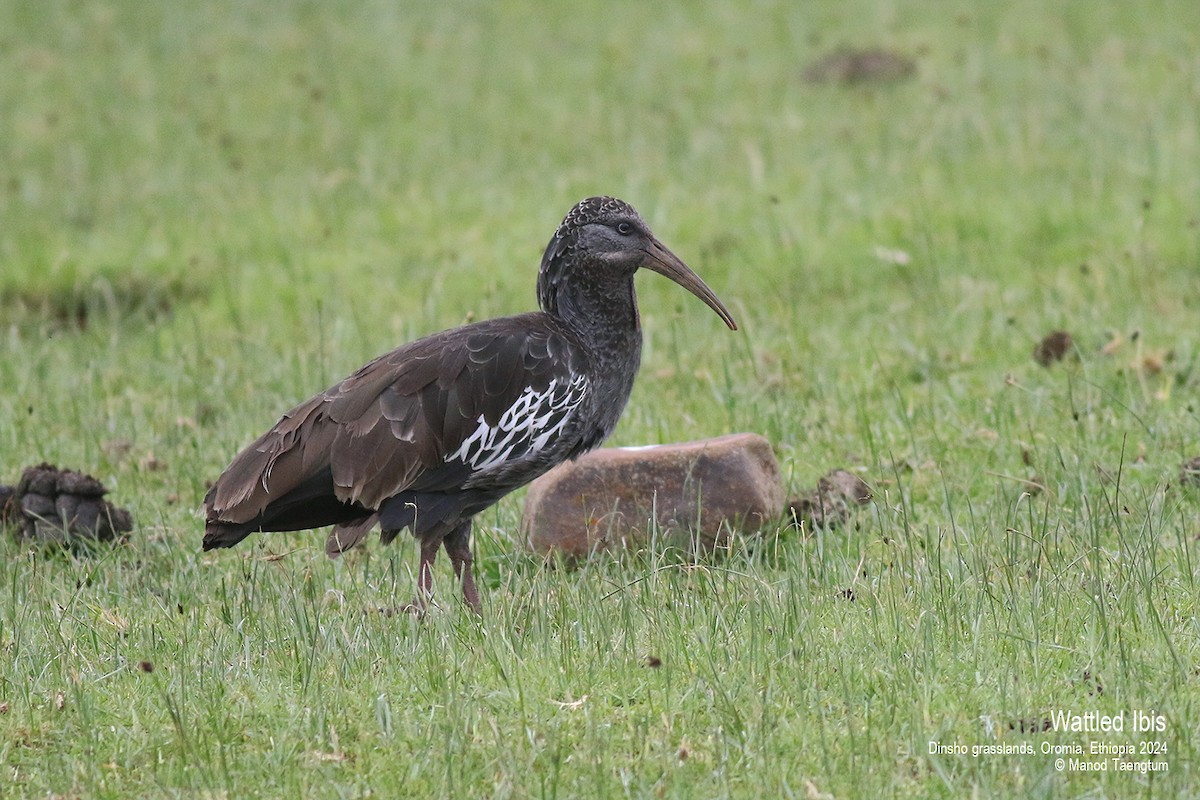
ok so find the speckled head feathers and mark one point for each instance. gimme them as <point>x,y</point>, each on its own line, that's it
<point>594,210</point>
<point>595,251</point>
<point>563,249</point>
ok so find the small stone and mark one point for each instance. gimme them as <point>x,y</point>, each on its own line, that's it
<point>694,493</point>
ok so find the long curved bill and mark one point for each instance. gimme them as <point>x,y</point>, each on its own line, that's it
<point>664,262</point>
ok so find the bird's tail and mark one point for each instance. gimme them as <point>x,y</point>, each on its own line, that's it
<point>348,534</point>
<point>225,534</point>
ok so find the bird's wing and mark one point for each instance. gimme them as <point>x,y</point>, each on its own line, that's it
<point>272,467</point>
<point>428,416</point>
<point>485,397</point>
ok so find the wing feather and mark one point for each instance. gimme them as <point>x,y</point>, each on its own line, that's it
<point>397,422</point>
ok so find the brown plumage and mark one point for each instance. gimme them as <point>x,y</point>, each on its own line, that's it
<point>429,435</point>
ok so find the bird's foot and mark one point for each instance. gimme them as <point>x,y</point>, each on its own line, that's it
<point>416,608</point>
<point>471,596</point>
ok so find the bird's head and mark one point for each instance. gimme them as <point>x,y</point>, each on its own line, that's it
<point>603,240</point>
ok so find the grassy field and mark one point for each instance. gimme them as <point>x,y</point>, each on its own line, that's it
<point>210,211</point>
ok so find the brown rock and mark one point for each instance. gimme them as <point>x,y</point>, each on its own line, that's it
<point>695,492</point>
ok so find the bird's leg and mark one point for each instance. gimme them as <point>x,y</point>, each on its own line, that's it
<point>429,551</point>
<point>458,547</point>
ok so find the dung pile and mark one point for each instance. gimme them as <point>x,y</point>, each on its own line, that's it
<point>832,503</point>
<point>53,505</point>
<point>849,66</point>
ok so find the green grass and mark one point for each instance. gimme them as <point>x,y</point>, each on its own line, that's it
<point>208,213</point>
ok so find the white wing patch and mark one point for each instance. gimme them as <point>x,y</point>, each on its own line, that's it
<point>525,427</point>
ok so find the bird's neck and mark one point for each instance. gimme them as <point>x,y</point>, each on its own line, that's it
<point>605,319</point>
<point>605,326</point>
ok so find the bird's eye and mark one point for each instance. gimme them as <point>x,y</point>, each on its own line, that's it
<point>624,228</point>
